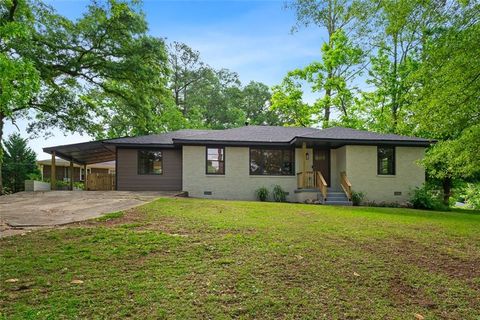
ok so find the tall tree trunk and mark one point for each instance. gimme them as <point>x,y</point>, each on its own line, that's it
<point>394,107</point>
<point>2,117</point>
<point>185,110</point>
<point>328,91</point>
<point>177,97</point>
<point>328,96</point>
<point>447,190</point>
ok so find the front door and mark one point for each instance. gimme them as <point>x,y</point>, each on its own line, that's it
<point>321,162</point>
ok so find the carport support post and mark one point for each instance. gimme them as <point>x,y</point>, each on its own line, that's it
<point>53,173</point>
<point>85,180</point>
<point>71,175</point>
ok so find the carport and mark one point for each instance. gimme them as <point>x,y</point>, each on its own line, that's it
<point>83,154</point>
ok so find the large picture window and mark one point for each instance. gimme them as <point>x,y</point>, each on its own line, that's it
<point>274,162</point>
<point>386,160</point>
<point>215,161</point>
<point>150,162</point>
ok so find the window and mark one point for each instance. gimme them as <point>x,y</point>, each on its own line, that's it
<point>150,162</point>
<point>215,161</point>
<point>82,173</point>
<point>386,160</point>
<point>273,162</point>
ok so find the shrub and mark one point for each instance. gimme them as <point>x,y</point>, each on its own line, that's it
<point>472,196</point>
<point>62,185</point>
<point>279,195</point>
<point>79,185</point>
<point>425,197</point>
<point>357,198</point>
<point>262,194</point>
<point>383,204</point>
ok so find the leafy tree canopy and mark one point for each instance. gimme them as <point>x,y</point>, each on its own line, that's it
<point>84,75</point>
<point>19,163</point>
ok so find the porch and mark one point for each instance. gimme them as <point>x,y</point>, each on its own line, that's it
<point>319,168</point>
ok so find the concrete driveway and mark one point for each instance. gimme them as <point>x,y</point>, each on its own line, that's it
<point>30,210</point>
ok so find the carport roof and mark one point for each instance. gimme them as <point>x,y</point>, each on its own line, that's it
<point>104,150</point>
<point>84,153</point>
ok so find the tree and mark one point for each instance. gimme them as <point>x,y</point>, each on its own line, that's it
<point>397,30</point>
<point>187,69</point>
<point>255,103</point>
<point>76,75</point>
<point>216,100</point>
<point>341,59</point>
<point>287,103</point>
<point>210,98</point>
<point>19,79</point>
<point>19,163</point>
<point>447,107</point>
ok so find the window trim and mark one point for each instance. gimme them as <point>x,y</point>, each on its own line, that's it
<point>394,162</point>
<point>138,162</point>
<point>292,174</point>
<point>89,171</point>
<point>206,161</point>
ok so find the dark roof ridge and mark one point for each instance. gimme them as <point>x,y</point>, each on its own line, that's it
<point>359,134</point>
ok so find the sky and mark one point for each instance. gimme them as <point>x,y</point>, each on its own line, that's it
<point>252,38</point>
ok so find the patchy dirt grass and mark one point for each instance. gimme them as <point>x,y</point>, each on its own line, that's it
<point>196,259</point>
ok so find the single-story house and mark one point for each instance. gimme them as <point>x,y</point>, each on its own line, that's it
<point>62,171</point>
<point>324,164</point>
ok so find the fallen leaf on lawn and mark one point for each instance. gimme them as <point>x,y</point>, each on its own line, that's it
<point>76,281</point>
<point>299,257</point>
<point>356,274</point>
<point>418,316</point>
<point>11,280</point>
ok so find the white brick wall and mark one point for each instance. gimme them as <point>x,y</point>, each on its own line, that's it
<point>360,163</point>
<point>237,183</point>
<point>361,168</point>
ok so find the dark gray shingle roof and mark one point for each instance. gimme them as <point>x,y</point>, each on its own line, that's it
<point>104,150</point>
<point>267,134</point>
<point>340,133</point>
<point>155,139</point>
<point>264,134</point>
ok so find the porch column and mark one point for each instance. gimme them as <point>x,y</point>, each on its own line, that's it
<point>53,173</point>
<point>71,175</point>
<point>304,164</point>
<point>85,180</point>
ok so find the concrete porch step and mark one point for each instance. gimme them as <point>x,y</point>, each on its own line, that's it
<point>336,194</point>
<point>337,198</point>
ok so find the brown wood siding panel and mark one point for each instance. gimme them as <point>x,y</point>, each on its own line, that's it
<point>128,179</point>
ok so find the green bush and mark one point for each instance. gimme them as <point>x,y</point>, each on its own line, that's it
<point>472,196</point>
<point>262,194</point>
<point>279,195</point>
<point>425,197</point>
<point>383,204</point>
<point>79,185</point>
<point>62,185</point>
<point>357,198</point>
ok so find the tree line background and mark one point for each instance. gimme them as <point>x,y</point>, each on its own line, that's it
<point>400,66</point>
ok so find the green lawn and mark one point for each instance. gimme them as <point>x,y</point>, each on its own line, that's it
<point>189,258</point>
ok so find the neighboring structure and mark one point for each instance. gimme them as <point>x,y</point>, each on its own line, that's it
<point>62,171</point>
<point>231,164</point>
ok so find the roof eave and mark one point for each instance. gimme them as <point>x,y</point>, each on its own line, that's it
<point>418,143</point>
<point>230,142</point>
<point>141,145</point>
